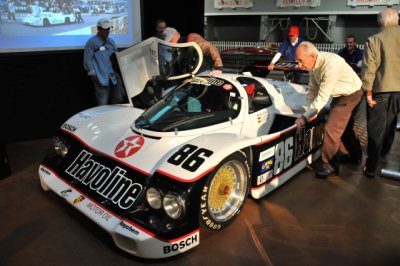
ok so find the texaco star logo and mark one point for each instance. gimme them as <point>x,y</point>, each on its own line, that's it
<point>129,146</point>
<point>227,87</point>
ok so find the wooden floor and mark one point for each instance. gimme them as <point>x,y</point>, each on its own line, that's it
<point>344,220</point>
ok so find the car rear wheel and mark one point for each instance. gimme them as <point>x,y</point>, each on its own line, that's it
<point>67,21</point>
<point>46,22</point>
<point>225,191</point>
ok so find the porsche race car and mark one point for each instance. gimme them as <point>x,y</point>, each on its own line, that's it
<point>152,178</point>
<point>49,18</point>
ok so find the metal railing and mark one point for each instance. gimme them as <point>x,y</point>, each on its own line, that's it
<point>325,47</point>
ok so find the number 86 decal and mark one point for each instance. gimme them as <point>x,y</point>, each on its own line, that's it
<point>190,157</point>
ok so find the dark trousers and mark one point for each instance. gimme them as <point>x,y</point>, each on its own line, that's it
<point>381,126</point>
<point>339,125</point>
<point>5,170</point>
<point>349,139</point>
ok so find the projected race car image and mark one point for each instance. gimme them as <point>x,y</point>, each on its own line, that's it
<point>154,178</point>
<point>53,24</point>
<point>49,19</point>
<point>50,13</point>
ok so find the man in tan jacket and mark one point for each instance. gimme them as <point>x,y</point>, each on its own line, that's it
<point>330,76</point>
<point>381,82</point>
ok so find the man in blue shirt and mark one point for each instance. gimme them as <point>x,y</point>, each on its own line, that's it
<point>97,62</point>
<point>351,54</point>
<point>288,47</point>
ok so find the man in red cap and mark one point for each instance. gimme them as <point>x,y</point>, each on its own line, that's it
<point>288,47</point>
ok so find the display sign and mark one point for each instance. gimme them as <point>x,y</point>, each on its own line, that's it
<point>233,3</point>
<point>298,3</point>
<point>372,2</point>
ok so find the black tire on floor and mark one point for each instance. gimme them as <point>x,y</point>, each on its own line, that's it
<point>225,192</point>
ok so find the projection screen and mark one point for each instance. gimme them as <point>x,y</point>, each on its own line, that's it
<point>48,25</point>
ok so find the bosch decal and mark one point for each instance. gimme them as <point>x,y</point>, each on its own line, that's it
<point>107,182</point>
<point>69,127</point>
<point>129,146</point>
<point>181,245</point>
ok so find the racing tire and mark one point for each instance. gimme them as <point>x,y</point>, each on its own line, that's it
<point>225,192</point>
<point>46,22</point>
<point>67,21</point>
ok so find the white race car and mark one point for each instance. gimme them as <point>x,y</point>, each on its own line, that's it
<point>49,19</point>
<point>152,178</point>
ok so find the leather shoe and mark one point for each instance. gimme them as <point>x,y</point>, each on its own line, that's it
<point>368,173</point>
<point>346,159</point>
<point>324,172</point>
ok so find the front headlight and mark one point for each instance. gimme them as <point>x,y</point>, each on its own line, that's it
<point>153,197</point>
<point>60,147</point>
<point>174,206</point>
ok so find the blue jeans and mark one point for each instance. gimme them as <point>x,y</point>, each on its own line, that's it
<point>112,94</point>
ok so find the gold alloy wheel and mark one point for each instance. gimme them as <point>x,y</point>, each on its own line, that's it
<point>227,191</point>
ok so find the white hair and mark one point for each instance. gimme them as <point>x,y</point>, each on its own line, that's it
<point>169,33</point>
<point>388,17</point>
<point>308,47</point>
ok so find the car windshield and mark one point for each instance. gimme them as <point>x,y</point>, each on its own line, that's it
<point>198,102</point>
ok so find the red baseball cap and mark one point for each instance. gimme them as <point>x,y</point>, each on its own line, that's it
<point>293,30</point>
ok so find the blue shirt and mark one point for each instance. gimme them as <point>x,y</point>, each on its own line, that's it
<point>353,58</point>
<point>288,50</point>
<point>96,59</point>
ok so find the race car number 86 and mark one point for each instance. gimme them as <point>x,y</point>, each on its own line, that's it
<point>190,157</point>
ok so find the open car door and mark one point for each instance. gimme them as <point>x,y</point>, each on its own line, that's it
<point>155,58</point>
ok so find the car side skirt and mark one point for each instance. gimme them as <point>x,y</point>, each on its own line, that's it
<point>277,181</point>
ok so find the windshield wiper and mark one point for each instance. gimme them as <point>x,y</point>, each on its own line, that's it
<point>188,120</point>
<point>157,122</point>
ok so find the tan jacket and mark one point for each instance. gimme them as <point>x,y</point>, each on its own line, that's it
<point>331,76</point>
<point>207,48</point>
<point>381,61</point>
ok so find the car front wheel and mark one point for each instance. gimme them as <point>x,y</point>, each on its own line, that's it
<point>225,191</point>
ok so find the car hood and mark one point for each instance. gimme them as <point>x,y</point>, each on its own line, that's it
<point>156,59</point>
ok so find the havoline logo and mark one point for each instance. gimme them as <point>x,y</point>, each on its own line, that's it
<point>109,183</point>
